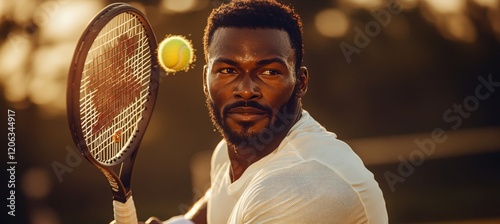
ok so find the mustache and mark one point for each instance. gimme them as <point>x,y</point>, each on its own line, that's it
<point>253,104</point>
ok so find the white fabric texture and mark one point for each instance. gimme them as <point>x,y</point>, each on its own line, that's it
<point>311,177</point>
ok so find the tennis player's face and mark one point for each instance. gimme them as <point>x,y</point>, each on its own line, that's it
<point>250,83</point>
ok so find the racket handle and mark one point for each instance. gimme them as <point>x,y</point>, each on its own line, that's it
<point>125,212</point>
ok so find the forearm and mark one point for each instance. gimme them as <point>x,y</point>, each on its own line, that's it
<point>198,213</point>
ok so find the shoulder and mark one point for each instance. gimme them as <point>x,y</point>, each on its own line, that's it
<point>311,141</point>
<point>315,168</point>
<point>306,192</point>
<point>307,180</point>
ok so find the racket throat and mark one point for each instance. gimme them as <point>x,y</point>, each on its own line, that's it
<point>126,170</point>
<point>120,192</point>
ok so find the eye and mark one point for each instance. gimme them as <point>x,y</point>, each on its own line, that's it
<point>270,72</point>
<point>227,71</point>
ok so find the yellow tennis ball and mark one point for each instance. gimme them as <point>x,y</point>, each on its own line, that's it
<point>175,53</point>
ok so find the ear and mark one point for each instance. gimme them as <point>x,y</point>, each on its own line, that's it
<point>302,82</point>
<point>205,73</point>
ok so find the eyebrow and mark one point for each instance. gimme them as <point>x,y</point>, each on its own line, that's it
<point>272,60</point>
<point>226,61</point>
<point>259,63</point>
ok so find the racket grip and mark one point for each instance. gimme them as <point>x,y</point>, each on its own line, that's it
<point>125,212</point>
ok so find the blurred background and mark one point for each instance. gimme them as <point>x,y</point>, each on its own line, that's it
<point>412,85</point>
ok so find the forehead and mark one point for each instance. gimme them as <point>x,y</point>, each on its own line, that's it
<point>246,42</point>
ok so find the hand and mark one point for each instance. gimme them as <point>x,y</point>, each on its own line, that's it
<point>151,220</point>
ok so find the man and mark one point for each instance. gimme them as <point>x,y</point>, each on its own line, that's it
<point>275,164</point>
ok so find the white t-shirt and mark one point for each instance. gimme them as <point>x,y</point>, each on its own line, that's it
<point>310,178</point>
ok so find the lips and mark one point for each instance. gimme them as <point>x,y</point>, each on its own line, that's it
<point>246,110</point>
<point>247,113</point>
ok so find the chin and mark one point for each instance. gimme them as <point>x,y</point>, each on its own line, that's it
<point>250,134</point>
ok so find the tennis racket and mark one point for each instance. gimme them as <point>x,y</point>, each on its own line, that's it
<point>111,92</point>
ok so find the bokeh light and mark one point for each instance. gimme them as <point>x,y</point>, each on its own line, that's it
<point>35,57</point>
<point>332,23</point>
<point>492,4</point>
<point>61,21</point>
<point>36,183</point>
<point>446,6</point>
<point>460,28</point>
<point>365,4</point>
<point>182,6</point>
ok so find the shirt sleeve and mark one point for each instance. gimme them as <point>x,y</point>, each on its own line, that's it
<point>308,192</point>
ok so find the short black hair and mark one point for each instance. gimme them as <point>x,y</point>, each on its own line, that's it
<point>257,14</point>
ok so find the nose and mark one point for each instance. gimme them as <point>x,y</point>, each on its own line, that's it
<point>247,89</point>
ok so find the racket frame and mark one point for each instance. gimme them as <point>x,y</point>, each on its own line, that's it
<point>120,183</point>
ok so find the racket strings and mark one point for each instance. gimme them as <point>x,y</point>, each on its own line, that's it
<point>115,86</point>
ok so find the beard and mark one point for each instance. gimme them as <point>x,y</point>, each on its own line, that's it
<point>279,122</point>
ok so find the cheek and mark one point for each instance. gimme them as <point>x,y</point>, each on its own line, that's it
<point>210,87</point>
<point>216,92</point>
<point>282,95</point>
